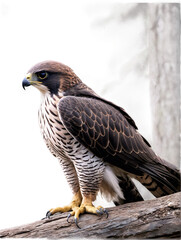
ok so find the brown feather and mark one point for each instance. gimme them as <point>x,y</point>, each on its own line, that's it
<point>125,149</point>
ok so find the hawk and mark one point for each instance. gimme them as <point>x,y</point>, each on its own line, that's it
<point>96,143</point>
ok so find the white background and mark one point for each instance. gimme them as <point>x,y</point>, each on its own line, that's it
<point>31,180</point>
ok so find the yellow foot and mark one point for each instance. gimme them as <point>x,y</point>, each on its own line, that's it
<point>77,208</point>
<point>76,201</point>
<point>86,209</point>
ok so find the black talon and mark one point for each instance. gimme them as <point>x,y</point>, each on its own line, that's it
<point>69,215</point>
<point>106,212</point>
<point>48,214</point>
<point>99,212</point>
<point>76,222</point>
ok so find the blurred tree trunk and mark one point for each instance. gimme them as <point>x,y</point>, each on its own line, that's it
<point>164,56</point>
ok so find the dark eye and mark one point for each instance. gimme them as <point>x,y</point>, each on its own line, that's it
<point>42,75</point>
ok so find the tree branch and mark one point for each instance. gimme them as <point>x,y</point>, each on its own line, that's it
<point>158,218</point>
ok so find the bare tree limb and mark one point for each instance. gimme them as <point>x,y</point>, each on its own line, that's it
<point>158,218</point>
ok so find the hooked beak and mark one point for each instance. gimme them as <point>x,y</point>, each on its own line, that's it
<point>26,81</point>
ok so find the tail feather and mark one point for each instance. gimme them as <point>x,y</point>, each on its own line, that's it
<point>129,189</point>
<point>161,179</point>
<point>156,188</point>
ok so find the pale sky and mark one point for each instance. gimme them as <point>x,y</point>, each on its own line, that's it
<point>31,31</point>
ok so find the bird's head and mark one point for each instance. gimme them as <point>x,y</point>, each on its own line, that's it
<point>51,76</point>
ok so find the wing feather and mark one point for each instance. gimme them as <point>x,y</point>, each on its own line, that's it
<point>107,132</point>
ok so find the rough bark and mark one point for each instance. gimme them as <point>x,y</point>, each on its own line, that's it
<point>158,218</point>
<point>164,62</point>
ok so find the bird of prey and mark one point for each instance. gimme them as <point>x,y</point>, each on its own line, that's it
<point>96,143</point>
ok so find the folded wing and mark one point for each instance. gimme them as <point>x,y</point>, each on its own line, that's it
<point>108,133</point>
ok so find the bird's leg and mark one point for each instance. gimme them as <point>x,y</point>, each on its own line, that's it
<point>76,201</point>
<point>90,173</point>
